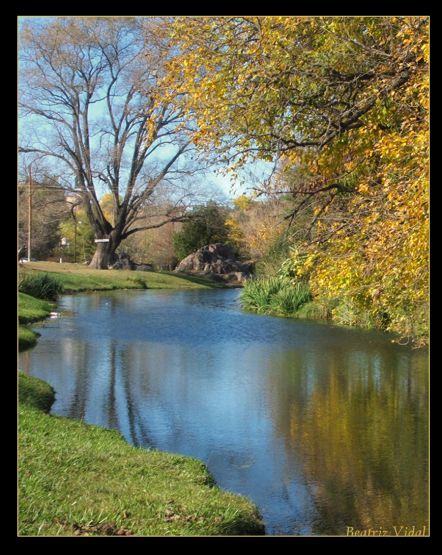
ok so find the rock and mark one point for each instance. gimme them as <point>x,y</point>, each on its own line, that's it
<point>217,260</point>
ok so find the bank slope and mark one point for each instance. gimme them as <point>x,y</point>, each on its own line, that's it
<point>75,277</point>
<point>77,479</point>
<point>30,310</point>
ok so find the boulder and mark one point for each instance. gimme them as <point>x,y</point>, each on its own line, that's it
<point>216,261</point>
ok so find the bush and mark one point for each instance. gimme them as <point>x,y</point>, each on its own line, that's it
<point>359,311</point>
<point>315,310</point>
<point>277,295</point>
<point>274,261</point>
<point>289,298</point>
<point>41,286</point>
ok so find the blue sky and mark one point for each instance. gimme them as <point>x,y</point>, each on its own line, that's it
<point>227,185</point>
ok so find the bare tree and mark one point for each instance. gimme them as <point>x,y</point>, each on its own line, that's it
<point>89,99</point>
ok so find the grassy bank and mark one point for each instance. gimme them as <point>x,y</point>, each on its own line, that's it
<point>278,296</point>
<point>30,310</point>
<point>76,277</point>
<point>77,479</point>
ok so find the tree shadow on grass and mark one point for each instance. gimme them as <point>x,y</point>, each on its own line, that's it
<point>198,279</point>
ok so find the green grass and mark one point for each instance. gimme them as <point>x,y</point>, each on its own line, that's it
<point>197,280</point>
<point>27,338</point>
<point>35,393</point>
<point>275,295</point>
<point>77,479</point>
<point>30,310</point>
<point>76,277</point>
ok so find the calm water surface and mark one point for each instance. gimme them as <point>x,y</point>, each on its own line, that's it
<point>322,427</point>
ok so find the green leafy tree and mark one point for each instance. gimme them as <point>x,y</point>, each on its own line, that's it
<point>206,225</point>
<point>80,238</point>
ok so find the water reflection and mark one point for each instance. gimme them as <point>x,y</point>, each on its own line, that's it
<point>322,427</point>
<point>358,424</point>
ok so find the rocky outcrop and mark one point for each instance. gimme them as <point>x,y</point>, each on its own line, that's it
<point>216,261</point>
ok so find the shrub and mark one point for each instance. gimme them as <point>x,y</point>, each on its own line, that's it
<point>315,310</point>
<point>289,298</point>
<point>274,261</point>
<point>41,286</point>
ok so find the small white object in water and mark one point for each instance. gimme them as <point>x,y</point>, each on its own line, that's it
<point>54,314</point>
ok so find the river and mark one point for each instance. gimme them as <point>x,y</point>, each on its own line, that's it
<point>323,427</point>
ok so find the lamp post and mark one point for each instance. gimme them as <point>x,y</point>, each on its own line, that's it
<point>76,224</point>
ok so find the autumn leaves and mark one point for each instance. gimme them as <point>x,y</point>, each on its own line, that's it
<point>346,100</point>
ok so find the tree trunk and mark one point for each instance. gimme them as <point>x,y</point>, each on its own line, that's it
<point>104,256</point>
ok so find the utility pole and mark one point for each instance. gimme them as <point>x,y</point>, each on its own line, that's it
<point>77,189</point>
<point>29,212</point>
<point>75,240</point>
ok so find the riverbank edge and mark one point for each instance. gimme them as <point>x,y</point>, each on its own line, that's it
<point>77,279</point>
<point>246,519</point>
<point>117,489</point>
<point>319,311</point>
<point>30,310</point>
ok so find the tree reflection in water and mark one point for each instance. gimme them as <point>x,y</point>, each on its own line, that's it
<point>358,425</point>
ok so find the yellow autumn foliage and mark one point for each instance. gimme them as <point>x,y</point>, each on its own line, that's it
<point>346,99</point>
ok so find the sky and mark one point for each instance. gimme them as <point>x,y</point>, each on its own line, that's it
<point>224,184</point>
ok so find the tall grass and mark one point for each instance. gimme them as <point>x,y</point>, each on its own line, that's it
<point>275,295</point>
<point>41,286</point>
